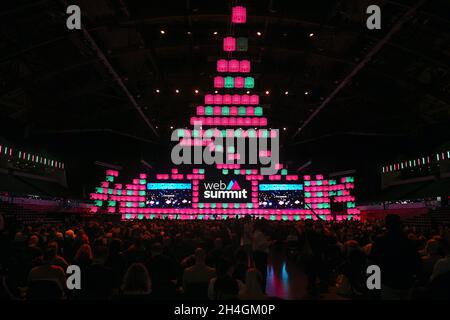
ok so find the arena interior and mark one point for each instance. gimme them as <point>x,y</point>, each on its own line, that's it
<point>354,121</point>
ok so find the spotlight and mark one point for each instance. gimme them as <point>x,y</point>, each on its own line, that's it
<point>171,127</point>
<point>215,91</point>
<point>248,92</point>
<point>267,92</point>
<point>259,33</point>
<point>196,91</point>
<point>177,91</point>
<point>157,91</point>
<point>306,93</point>
<point>189,33</point>
<point>215,33</point>
<point>162,32</point>
<point>286,93</point>
<point>284,129</point>
<point>311,35</point>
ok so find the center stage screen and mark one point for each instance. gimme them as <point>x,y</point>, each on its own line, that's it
<point>225,189</point>
<point>280,196</point>
<point>169,195</point>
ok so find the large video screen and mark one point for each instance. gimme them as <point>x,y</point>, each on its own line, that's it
<point>280,196</point>
<point>169,195</point>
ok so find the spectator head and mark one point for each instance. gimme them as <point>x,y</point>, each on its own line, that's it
<point>84,253</point>
<point>50,252</point>
<point>218,243</point>
<point>69,234</point>
<point>156,249</point>
<point>393,222</point>
<point>100,249</point>
<point>200,256</point>
<point>54,244</point>
<point>115,247</point>
<point>137,279</point>
<point>33,241</point>
<point>432,247</point>
<point>224,267</point>
<point>84,239</point>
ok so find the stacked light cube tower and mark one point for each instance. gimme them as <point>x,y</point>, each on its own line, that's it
<point>237,113</point>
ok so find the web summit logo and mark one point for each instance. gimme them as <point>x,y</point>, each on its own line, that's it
<point>220,190</point>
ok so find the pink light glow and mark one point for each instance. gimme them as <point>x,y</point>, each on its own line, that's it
<point>218,99</point>
<point>229,44</point>
<point>200,110</point>
<point>254,99</point>
<point>236,99</point>
<point>209,99</point>
<point>229,121</point>
<point>113,173</point>
<point>222,65</point>
<point>239,14</point>
<point>219,82</point>
<point>226,99</point>
<point>244,66</point>
<point>233,66</point>
<point>239,82</point>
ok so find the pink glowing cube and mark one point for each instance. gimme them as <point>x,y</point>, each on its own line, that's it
<point>236,99</point>
<point>200,110</point>
<point>239,82</point>
<point>254,121</point>
<point>244,66</point>
<point>217,111</point>
<point>233,111</point>
<point>222,65</point>
<point>239,14</point>
<point>218,82</point>
<point>254,99</point>
<point>233,66</point>
<point>209,99</point>
<point>226,99</point>
<point>245,99</point>
<point>229,44</point>
<point>217,99</point>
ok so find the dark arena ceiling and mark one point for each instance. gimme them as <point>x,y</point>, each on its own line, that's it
<point>91,94</point>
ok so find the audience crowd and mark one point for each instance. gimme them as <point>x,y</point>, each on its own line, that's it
<point>222,260</point>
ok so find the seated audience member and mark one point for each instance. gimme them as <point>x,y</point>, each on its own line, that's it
<point>442,266</point>
<point>70,245</point>
<point>97,278</point>
<point>241,264</point>
<point>116,261</point>
<point>216,252</point>
<point>432,255</point>
<point>354,268</point>
<point>47,272</point>
<point>197,275</point>
<point>252,289</point>
<point>398,259</point>
<point>136,252</point>
<point>136,282</point>
<point>58,260</point>
<point>224,286</point>
<point>163,271</point>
